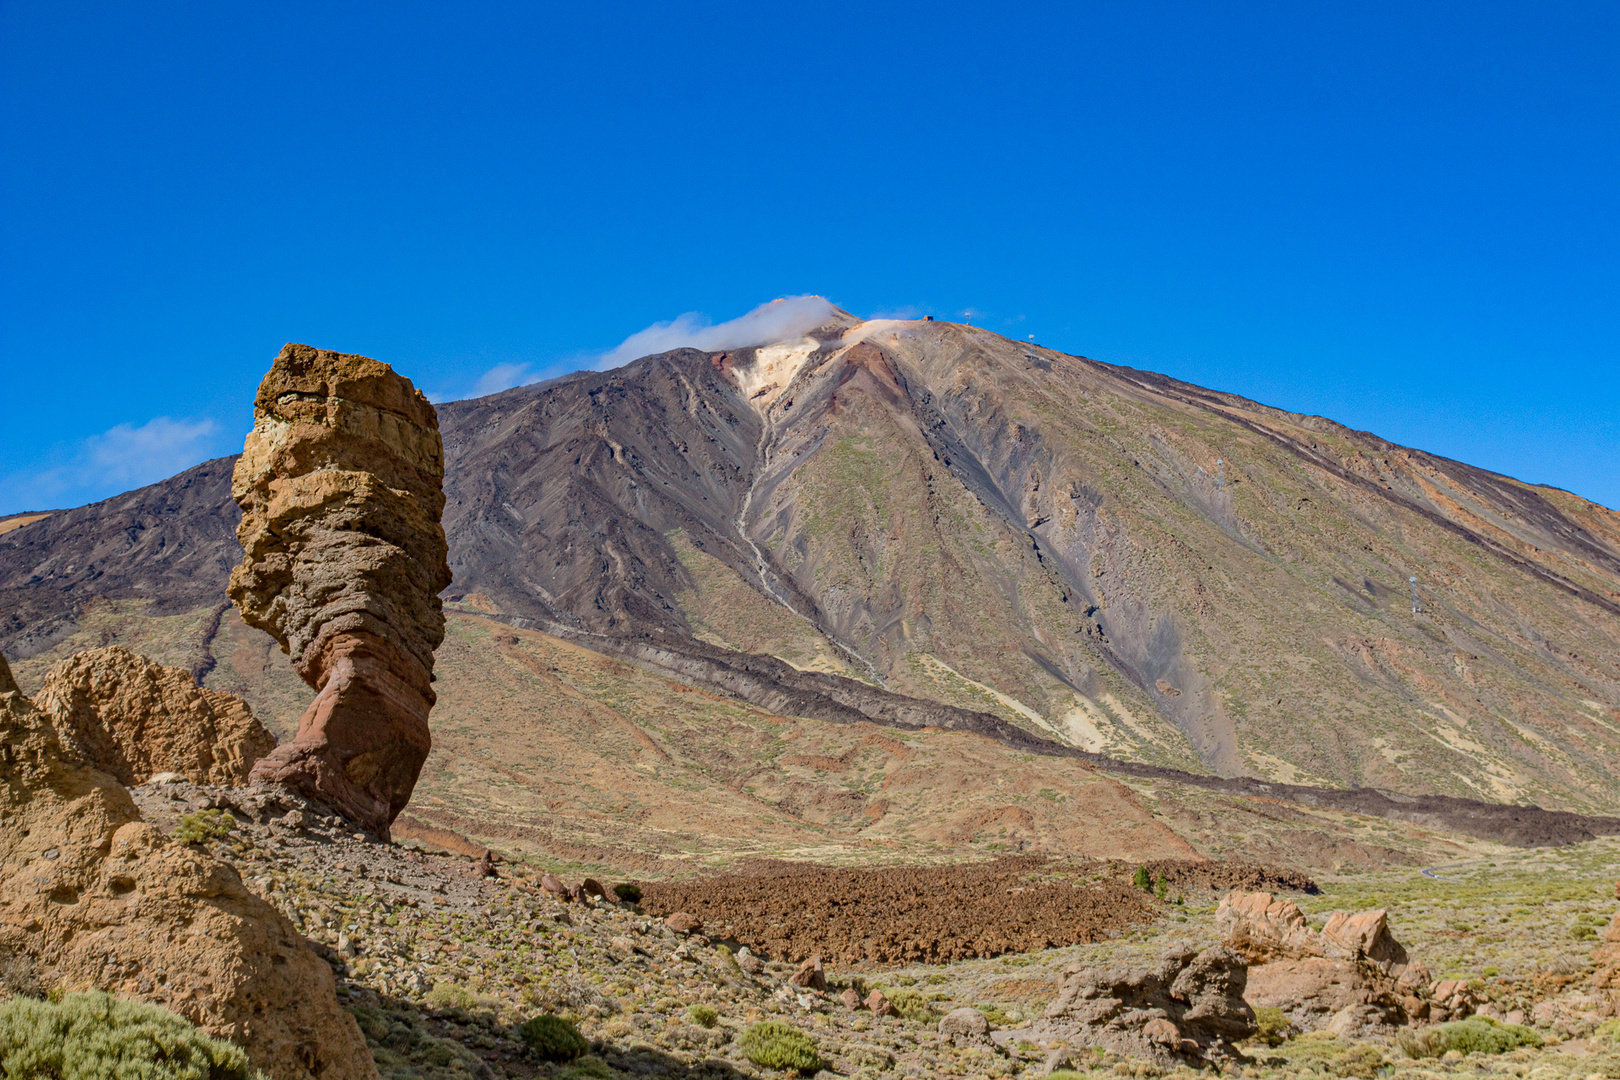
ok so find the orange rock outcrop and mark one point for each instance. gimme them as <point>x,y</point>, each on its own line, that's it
<point>340,485</point>
<point>134,718</point>
<point>91,897</point>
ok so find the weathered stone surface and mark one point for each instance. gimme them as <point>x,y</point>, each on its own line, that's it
<point>684,923</point>
<point>1354,962</point>
<point>340,485</point>
<point>1191,1007</point>
<point>810,975</point>
<point>880,1005</point>
<point>1262,927</point>
<point>966,1027</point>
<point>95,898</point>
<point>133,718</point>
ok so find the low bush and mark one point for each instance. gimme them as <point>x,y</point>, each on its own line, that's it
<point>912,1005</point>
<point>630,894</point>
<point>1274,1025</point>
<point>1475,1035</point>
<point>552,1038</point>
<point>776,1045</point>
<point>96,1037</point>
<point>703,1016</point>
<point>204,825</point>
<point>1143,879</point>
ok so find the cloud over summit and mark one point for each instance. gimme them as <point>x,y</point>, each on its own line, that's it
<point>779,320</point>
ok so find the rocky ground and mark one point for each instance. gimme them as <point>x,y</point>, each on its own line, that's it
<point>440,964</point>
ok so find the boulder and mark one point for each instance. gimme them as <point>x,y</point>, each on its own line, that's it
<point>134,719</point>
<point>750,963</point>
<point>1262,928</point>
<point>1313,977</point>
<point>340,485</point>
<point>851,999</point>
<point>684,923</point>
<point>553,884</point>
<point>810,976</point>
<point>966,1027</point>
<point>593,887</point>
<point>92,897</point>
<point>1365,936</point>
<point>879,1005</point>
<point>1189,1009</point>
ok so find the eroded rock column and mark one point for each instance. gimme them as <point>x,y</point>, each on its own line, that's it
<point>340,485</point>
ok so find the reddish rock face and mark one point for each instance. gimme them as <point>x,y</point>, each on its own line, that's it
<point>340,484</point>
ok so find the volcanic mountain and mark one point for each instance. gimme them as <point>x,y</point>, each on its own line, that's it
<point>925,525</point>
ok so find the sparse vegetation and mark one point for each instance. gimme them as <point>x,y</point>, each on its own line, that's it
<point>1477,1034</point>
<point>704,1016</point>
<point>628,892</point>
<point>776,1045</point>
<point>551,1038</point>
<point>204,825</point>
<point>1274,1025</point>
<point>96,1037</point>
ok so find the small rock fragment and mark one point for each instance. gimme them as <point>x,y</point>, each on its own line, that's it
<point>880,1005</point>
<point>810,975</point>
<point>684,923</point>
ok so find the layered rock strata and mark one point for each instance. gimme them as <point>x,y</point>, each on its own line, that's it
<point>91,897</point>
<point>340,485</point>
<point>133,719</point>
<point>1191,1008</point>
<point>1350,977</point>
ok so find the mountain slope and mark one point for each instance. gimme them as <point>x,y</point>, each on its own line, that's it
<point>1132,564</point>
<point>924,523</point>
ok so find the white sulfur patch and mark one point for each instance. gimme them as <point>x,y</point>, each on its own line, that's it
<point>774,367</point>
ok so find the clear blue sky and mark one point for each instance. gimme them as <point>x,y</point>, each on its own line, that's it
<point>1402,216</point>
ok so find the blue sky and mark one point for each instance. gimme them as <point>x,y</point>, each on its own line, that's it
<point>1400,216</point>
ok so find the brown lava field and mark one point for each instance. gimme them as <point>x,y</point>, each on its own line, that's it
<point>938,914</point>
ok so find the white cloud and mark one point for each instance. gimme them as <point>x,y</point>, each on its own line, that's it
<point>120,458</point>
<point>502,377</point>
<point>779,320</point>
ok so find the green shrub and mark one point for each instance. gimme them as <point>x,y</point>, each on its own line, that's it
<point>912,1005</point>
<point>776,1045</point>
<point>1480,1035</point>
<point>204,825</point>
<point>1362,1062</point>
<point>703,1016</point>
<point>588,1068</point>
<point>552,1038</point>
<point>630,894</point>
<point>1274,1025</point>
<point>1608,1031</point>
<point>1161,887</point>
<point>1143,879</point>
<point>447,995</point>
<point>96,1037</point>
<point>1477,1034</point>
